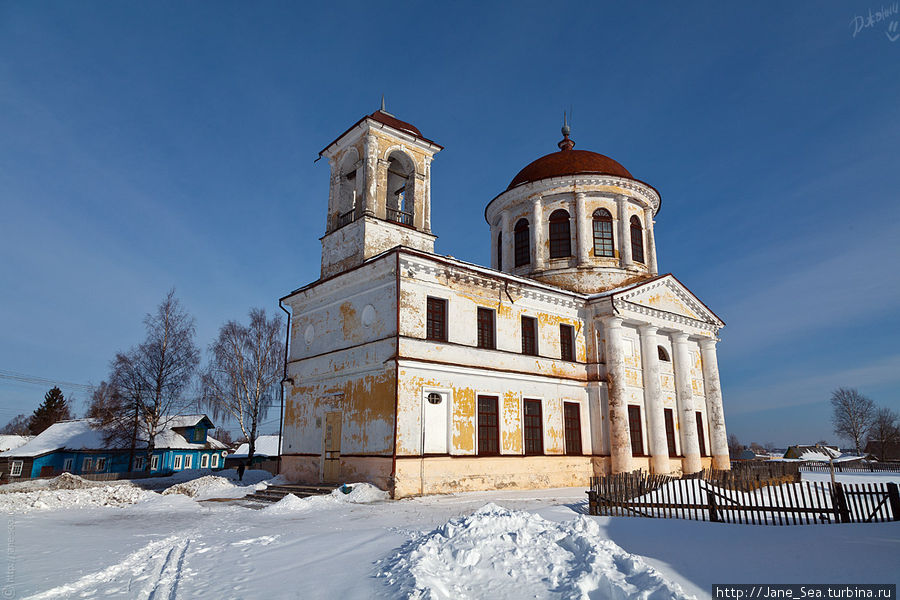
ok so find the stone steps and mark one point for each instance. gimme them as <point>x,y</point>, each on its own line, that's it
<point>274,493</point>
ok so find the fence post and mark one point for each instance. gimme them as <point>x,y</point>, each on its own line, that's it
<point>713,513</point>
<point>839,500</point>
<point>894,499</point>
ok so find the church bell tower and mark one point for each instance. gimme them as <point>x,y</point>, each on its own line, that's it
<point>380,192</point>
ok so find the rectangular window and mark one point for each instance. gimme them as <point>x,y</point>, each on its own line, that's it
<point>188,461</point>
<point>529,336</point>
<point>572,426</point>
<point>199,434</point>
<point>86,465</point>
<point>701,439</point>
<point>204,461</point>
<point>636,427</point>
<point>534,428</point>
<point>486,328</point>
<point>67,465</point>
<point>215,461</point>
<point>567,342</point>
<point>101,464</point>
<point>488,426</point>
<point>436,319</point>
<point>154,462</point>
<point>177,466</point>
<point>670,432</point>
<point>139,463</point>
<point>16,468</point>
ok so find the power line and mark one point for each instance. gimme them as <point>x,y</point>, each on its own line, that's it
<point>43,381</point>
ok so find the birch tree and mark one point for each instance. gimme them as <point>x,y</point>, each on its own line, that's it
<point>167,361</point>
<point>151,378</point>
<point>852,415</point>
<point>244,372</point>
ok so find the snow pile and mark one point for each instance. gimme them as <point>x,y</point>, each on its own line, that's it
<point>358,493</point>
<point>67,481</point>
<point>206,486</point>
<point>52,499</point>
<point>502,553</point>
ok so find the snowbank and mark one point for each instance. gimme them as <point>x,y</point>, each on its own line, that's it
<point>497,552</point>
<point>359,493</point>
<point>54,499</point>
<point>207,486</point>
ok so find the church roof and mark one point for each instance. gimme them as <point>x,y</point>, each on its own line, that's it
<point>569,162</point>
<point>385,118</point>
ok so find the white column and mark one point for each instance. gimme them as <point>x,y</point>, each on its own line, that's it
<point>537,232</point>
<point>624,233</point>
<point>687,419</point>
<point>656,424</point>
<point>509,242</point>
<point>619,435</point>
<point>714,409</point>
<point>334,189</point>
<point>495,229</point>
<point>582,234</point>
<point>371,174</point>
<point>651,241</point>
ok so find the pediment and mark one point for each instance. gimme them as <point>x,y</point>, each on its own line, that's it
<point>667,296</point>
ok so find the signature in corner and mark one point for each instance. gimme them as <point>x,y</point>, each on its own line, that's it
<point>891,33</point>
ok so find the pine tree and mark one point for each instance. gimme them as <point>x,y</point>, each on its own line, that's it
<point>53,409</point>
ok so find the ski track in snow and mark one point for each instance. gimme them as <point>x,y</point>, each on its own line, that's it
<point>152,573</point>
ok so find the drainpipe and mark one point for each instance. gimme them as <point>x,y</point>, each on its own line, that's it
<point>284,379</point>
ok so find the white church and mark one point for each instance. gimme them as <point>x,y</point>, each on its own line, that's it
<point>570,356</point>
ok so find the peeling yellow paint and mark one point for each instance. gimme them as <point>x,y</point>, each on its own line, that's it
<point>512,424</point>
<point>464,420</point>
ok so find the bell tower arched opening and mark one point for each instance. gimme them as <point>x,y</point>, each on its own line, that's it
<point>400,196</point>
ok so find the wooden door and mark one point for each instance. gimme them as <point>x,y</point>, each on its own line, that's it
<point>331,448</point>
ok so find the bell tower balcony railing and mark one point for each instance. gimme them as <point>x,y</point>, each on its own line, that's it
<point>346,218</point>
<point>399,216</point>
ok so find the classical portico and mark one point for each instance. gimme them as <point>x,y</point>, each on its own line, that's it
<point>664,322</point>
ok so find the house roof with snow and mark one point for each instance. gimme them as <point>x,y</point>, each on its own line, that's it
<point>812,452</point>
<point>266,445</point>
<point>84,434</point>
<point>10,442</point>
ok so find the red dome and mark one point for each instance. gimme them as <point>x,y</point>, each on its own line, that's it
<point>569,162</point>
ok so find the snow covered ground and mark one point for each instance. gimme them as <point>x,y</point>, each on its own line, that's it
<point>507,544</point>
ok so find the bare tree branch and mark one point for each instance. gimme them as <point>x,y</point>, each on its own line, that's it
<point>852,415</point>
<point>244,370</point>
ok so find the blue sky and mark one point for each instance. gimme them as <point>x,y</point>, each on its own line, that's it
<point>151,145</point>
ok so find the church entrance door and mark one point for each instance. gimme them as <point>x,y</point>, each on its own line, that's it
<point>331,448</point>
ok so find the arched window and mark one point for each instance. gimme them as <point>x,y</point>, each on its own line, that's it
<point>663,355</point>
<point>400,203</point>
<point>637,240</point>
<point>560,237</point>
<point>603,233</point>
<point>523,240</point>
<point>500,251</point>
<point>349,189</point>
